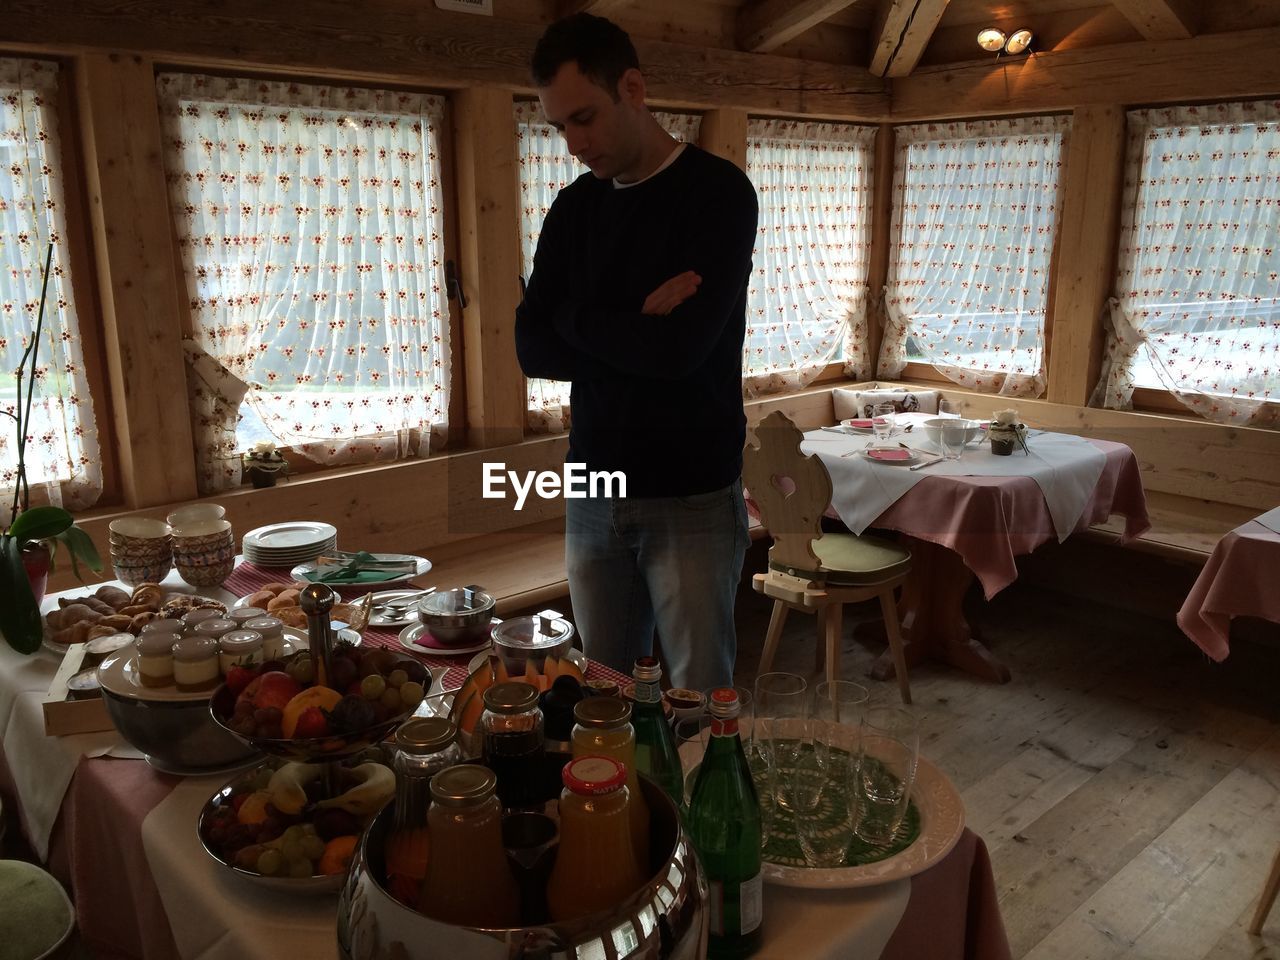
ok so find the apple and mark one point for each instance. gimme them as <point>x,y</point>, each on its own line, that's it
<point>274,689</point>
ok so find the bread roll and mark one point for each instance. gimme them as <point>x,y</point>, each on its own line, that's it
<point>287,598</point>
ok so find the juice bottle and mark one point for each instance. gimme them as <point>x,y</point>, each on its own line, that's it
<point>595,866</point>
<point>724,823</point>
<point>604,729</point>
<point>468,879</point>
<point>514,744</point>
<point>424,747</point>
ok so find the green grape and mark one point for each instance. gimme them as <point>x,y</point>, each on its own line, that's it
<point>292,849</point>
<point>313,848</point>
<point>411,694</point>
<point>372,687</point>
<point>391,699</point>
<point>397,678</point>
<point>295,832</point>
<point>300,868</point>
<point>270,862</point>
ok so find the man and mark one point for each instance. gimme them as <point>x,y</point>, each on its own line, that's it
<point>638,296</point>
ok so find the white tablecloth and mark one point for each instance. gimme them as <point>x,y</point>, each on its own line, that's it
<point>1065,467</point>
<point>1271,520</point>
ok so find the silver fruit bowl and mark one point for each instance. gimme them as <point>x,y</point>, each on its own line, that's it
<point>668,916</point>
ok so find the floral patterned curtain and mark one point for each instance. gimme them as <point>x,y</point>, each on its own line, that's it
<point>808,291</point>
<point>1197,304</point>
<point>310,224</point>
<point>61,454</point>
<point>546,165</point>
<point>975,215</point>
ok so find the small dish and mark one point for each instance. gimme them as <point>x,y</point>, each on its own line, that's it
<point>861,424</point>
<point>411,634</point>
<point>403,617</point>
<point>898,456</point>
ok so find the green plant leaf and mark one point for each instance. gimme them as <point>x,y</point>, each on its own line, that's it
<point>40,523</point>
<point>19,613</point>
<point>80,546</point>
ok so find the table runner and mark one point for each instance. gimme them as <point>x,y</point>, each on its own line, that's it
<point>1065,467</point>
<point>1239,580</point>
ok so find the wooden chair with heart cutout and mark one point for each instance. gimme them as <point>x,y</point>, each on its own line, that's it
<point>812,571</point>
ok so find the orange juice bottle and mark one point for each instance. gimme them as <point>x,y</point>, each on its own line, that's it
<point>468,879</point>
<point>595,867</point>
<point>604,729</point>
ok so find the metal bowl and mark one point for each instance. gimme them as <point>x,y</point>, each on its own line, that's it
<point>523,640</point>
<point>459,617</point>
<point>668,915</point>
<point>176,734</point>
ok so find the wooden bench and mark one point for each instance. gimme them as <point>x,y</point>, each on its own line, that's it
<point>522,569</point>
<point>1181,528</point>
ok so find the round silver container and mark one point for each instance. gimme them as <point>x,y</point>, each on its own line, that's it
<point>180,735</point>
<point>668,916</point>
<point>458,617</point>
<point>520,640</point>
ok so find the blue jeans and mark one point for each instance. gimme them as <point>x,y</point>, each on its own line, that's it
<point>672,563</point>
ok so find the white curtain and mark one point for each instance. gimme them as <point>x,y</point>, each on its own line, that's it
<point>808,292</point>
<point>61,453</point>
<point>546,165</point>
<point>975,215</point>
<point>310,224</point>
<point>1197,299</point>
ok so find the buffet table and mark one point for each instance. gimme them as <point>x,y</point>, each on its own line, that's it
<point>1238,581</point>
<point>123,838</point>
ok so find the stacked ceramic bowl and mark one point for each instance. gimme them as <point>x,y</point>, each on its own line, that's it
<point>141,549</point>
<point>204,545</point>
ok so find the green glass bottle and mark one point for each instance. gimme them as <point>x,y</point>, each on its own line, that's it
<point>724,822</point>
<point>656,755</point>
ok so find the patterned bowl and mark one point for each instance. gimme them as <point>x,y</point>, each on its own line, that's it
<point>205,575</point>
<point>134,573</point>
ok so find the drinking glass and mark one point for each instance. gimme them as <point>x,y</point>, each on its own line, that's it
<point>882,421</point>
<point>837,720</point>
<point>825,806</point>
<point>890,743</point>
<point>952,437</point>
<point>762,778</point>
<point>781,726</point>
<point>950,408</point>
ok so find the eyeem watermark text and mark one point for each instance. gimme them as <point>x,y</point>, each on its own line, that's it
<point>574,482</point>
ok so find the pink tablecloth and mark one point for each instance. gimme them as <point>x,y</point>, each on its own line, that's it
<point>1238,581</point>
<point>989,521</point>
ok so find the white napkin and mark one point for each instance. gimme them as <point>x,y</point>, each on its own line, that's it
<point>857,404</point>
<point>1271,519</point>
<point>215,915</point>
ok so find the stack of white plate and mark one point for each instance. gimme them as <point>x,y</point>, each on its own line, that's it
<point>288,544</point>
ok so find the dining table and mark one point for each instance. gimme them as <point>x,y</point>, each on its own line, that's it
<point>970,518</point>
<point>1238,580</point>
<point>122,836</point>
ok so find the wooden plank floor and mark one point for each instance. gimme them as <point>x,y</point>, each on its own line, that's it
<point>1127,787</point>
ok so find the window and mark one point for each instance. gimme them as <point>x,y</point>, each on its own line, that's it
<point>806,303</point>
<point>975,213</point>
<point>546,165</point>
<point>310,224</point>
<point>61,452</point>
<point>1197,307</point>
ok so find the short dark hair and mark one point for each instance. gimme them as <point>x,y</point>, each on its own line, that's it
<point>601,49</point>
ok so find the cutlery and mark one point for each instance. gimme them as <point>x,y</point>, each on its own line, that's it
<point>926,463</point>
<point>408,600</point>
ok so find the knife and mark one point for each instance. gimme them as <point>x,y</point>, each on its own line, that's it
<point>926,463</point>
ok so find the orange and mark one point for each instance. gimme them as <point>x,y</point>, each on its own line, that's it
<point>325,698</point>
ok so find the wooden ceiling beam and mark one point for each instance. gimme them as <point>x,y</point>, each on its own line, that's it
<point>768,24</point>
<point>1219,65</point>
<point>599,8</point>
<point>902,31</point>
<point>1162,19</point>
<point>413,44</point>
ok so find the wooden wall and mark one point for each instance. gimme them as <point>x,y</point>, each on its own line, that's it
<point>112,48</point>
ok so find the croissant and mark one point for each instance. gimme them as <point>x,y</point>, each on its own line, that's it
<point>77,632</point>
<point>140,620</point>
<point>99,630</point>
<point>113,596</point>
<point>72,613</point>
<point>136,608</point>
<point>146,595</point>
<point>118,622</point>
<point>100,607</point>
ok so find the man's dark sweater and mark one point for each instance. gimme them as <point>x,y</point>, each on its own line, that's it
<point>657,397</point>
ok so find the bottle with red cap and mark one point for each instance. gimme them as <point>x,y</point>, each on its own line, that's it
<point>596,866</point>
<point>724,823</point>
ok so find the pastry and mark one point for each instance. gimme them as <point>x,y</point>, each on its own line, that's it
<point>113,596</point>
<point>179,604</point>
<point>195,664</point>
<point>155,658</point>
<point>146,595</point>
<point>140,621</point>
<point>293,616</point>
<point>99,630</point>
<point>117,621</point>
<point>286,598</point>
<point>136,608</point>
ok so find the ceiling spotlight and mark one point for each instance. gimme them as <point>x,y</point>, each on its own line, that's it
<point>992,40</point>
<point>1018,42</point>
